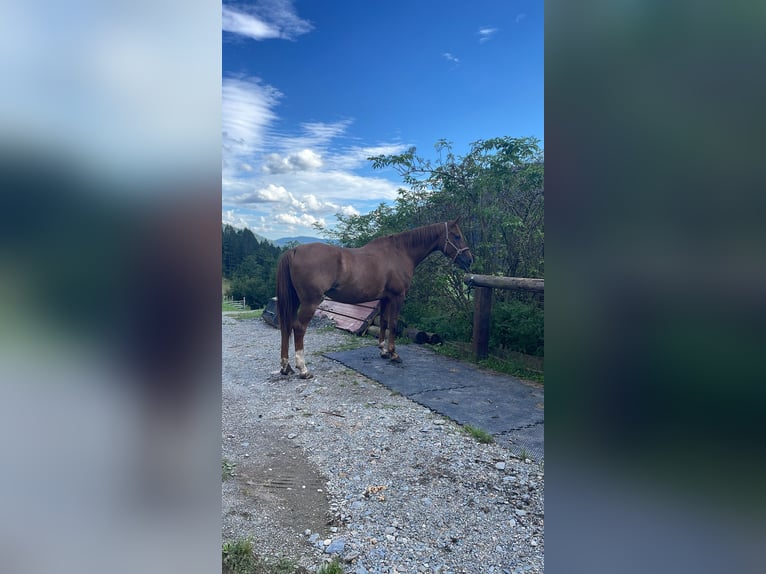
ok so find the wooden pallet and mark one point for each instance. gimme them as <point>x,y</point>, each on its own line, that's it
<point>352,318</point>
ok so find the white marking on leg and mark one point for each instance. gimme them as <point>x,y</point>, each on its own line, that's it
<point>300,362</point>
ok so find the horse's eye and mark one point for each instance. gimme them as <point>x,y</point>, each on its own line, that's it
<point>457,237</point>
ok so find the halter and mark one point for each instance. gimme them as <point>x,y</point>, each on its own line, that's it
<point>448,242</point>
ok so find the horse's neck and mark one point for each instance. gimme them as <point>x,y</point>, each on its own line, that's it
<point>427,244</point>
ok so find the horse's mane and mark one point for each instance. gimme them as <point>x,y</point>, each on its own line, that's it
<point>411,237</point>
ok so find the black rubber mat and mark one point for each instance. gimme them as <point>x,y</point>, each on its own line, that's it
<point>509,409</point>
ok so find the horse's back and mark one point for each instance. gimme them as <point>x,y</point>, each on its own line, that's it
<point>314,267</point>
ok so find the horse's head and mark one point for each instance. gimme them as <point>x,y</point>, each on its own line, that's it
<point>455,247</point>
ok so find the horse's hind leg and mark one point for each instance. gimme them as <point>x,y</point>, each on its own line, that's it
<point>285,360</point>
<point>305,314</point>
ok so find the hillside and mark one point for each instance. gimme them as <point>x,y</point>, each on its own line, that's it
<point>282,241</point>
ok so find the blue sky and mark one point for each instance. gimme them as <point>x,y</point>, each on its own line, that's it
<point>312,88</point>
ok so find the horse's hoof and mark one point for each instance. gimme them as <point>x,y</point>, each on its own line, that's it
<point>306,375</point>
<point>288,370</point>
<point>396,359</point>
<point>385,355</point>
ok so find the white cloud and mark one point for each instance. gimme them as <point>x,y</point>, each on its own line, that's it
<point>304,160</point>
<point>520,17</point>
<point>312,135</point>
<point>451,58</point>
<point>233,219</point>
<point>348,210</point>
<point>356,156</point>
<point>304,220</point>
<point>312,203</point>
<point>264,21</point>
<point>247,112</point>
<point>338,186</point>
<point>247,25</point>
<point>282,183</point>
<point>486,33</point>
<point>269,194</point>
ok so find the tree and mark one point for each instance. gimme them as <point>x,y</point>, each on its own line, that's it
<point>496,189</point>
<point>250,264</point>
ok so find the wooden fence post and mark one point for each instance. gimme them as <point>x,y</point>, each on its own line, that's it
<point>482,312</point>
<point>482,307</point>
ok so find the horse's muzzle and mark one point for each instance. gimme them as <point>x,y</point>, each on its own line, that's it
<point>464,260</point>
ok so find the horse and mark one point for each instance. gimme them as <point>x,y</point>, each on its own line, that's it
<point>382,269</point>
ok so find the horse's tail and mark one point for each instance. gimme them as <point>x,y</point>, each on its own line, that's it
<point>287,296</point>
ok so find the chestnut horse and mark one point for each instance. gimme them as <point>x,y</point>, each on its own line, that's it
<point>382,269</point>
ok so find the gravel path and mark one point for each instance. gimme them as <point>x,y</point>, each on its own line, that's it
<point>338,465</point>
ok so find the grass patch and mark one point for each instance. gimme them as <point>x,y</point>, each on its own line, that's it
<point>332,567</point>
<point>480,435</point>
<point>281,566</point>
<point>248,314</point>
<point>514,368</point>
<point>238,558</point>
<point>227,469</point>
<point>385,406</point>
<point>350,343</point>
<point>509,366</point>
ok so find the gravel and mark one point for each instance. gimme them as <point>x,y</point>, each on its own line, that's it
<point>338,466</point>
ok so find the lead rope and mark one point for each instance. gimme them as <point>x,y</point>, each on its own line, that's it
<point>448,242</point>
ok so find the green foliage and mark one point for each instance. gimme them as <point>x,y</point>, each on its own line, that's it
<point>238,557</point>
<point>332,567</point>
<point>518,326</point>
<point>497,190</point>
<point>249,265</point>
<point>227,469</point>
<point>282,566</point>
<point>513,367</point>
<point>243,315</point>
<point>510,365</point>
<point>480,435</point>
<point>226,306</point>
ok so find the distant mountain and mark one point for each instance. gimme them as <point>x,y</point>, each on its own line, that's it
<point>282,241</point>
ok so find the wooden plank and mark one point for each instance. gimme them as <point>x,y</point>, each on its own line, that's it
<point>482,312</point>
<point>347,323</point>
<point>361,312</point>
<point>522,283</point>
<point>353,318</point>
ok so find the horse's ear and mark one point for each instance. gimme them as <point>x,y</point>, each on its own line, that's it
<point>457,220</point>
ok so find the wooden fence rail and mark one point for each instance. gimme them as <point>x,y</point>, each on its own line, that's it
<point>482,304</point>
<point>239,303</point>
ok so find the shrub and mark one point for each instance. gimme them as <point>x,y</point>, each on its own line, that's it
<point>238,557</point>
<point>518,326</point>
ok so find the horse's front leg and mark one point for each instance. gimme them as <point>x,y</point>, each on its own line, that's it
<point>393,318</point>
<point>383,326</point>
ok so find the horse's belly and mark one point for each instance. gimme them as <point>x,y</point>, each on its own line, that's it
<point>352,296</point>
